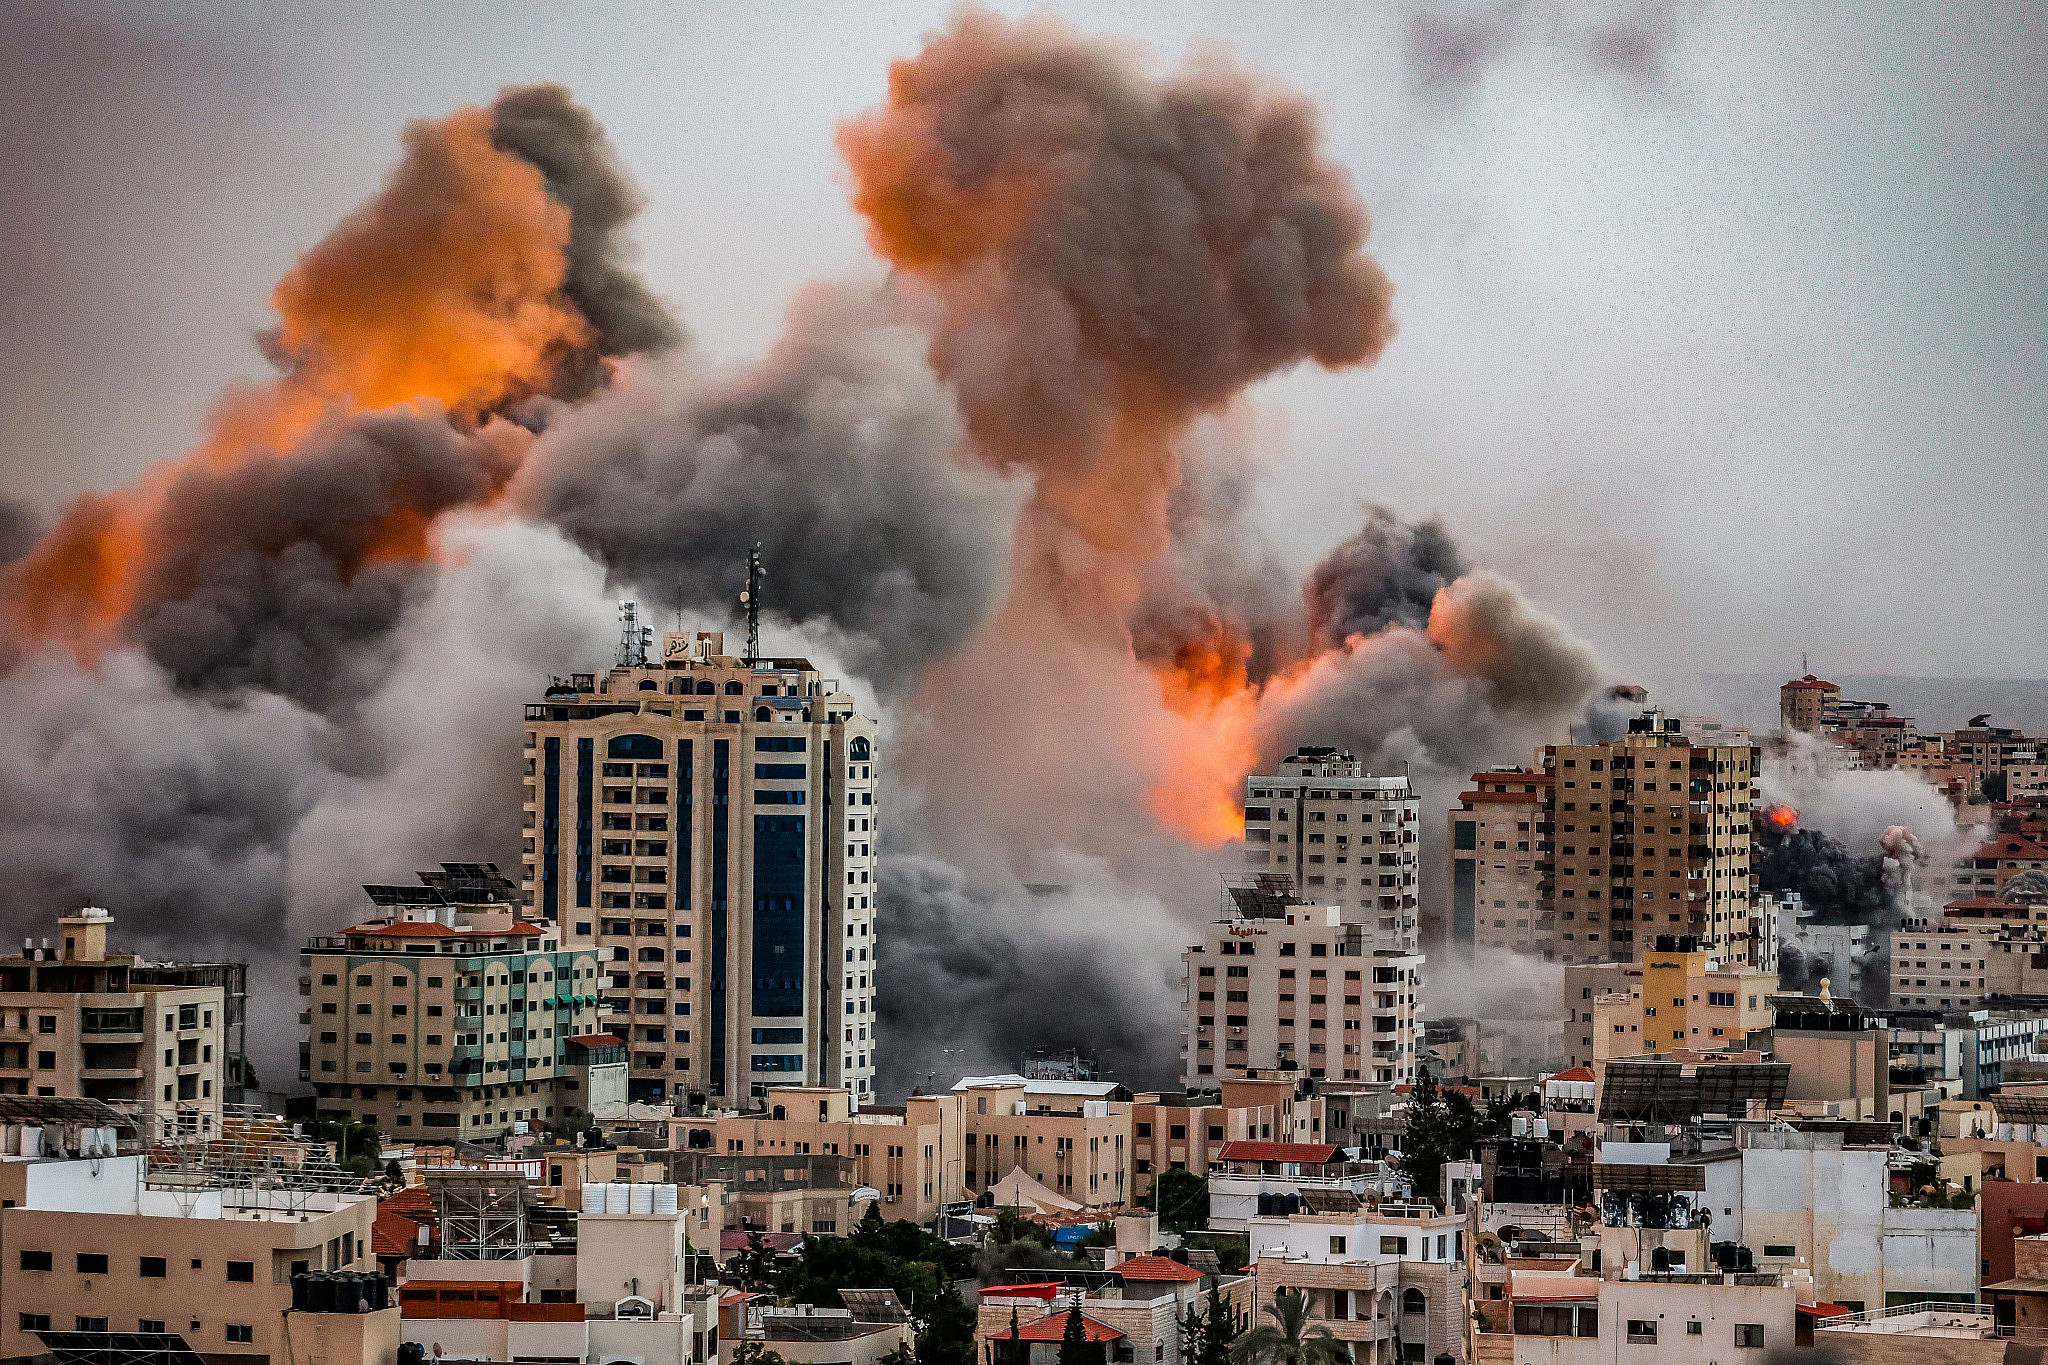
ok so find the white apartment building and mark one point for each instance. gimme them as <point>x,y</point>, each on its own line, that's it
<point>1345,837</point>
<point>709,823</point>
<point>1282,986</point>
<point>1389,1282</point>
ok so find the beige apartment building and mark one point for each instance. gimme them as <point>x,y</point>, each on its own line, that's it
<point>1495,897</point>
<point>914,1158</point>
<point>1680,997</point>
<point>709,824</point>
<point>98,1246</point>
<point>158,1039</point>
<point>445,1016</point>
<point>1949,965</point>
<point>1186,1132</point>
<point>1345,837</point>
<point>1650,836</point>
<point>1076,1146</point>
<point>1282,986</point>
<point>1803,702</point>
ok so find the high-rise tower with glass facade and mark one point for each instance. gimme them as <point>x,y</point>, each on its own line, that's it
<point>708,823</point>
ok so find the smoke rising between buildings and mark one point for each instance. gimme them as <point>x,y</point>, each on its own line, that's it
<point>1004,488</point>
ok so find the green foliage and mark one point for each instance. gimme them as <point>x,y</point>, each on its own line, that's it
<point>1440,1127</point>
<point>1075,1348</point>
<point>1181,1199</point>
<point>755,1267</point>
<point>1994,786</point>
<point>1013,1226</point>
<point>1496,1123</point>
<point>1221,1327</point>
<point>356,1144</point>
<point>394,1178</point>
<point>754,1353</point>
<point>995,1257</point>
<point>1233,1251</point>
<point>870,1219</point>
<point>921,1268</point>
<point>1289,1339</point>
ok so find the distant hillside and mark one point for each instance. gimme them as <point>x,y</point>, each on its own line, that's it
<point>1936,703</point>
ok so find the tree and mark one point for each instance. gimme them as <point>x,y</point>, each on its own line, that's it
<point>1075,1348</point>
<point>394,1177</point>
<point>755,1353</point>
<point>1288,1339</point>
<point>755,1267</point>
<point>1440,1128</point>
<point>1222,1325</point>
<point>921,1268</point>
<point>1181,1199</point>
<point>870,1220</point>
<point>356,1143</point>
<point>1013,1226</point>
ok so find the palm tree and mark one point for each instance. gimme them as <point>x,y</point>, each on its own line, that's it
<point>1288,1339</point>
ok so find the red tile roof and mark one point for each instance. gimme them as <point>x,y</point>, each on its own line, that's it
<point>394,1234</point>
<point>598,1040</point>
<point>1577,1073</point>
<point>1053,1327</point>
<point>1308,1153</point>
<point>1823,1310</point>
<point>1156,1270</point>
<point>2010,846</point>
<point>1809,683</point>
<point>405,929</point>
<point>411,1199</point>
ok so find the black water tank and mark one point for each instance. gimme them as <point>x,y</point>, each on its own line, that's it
<point>411,1353</point>
<point>318,1295</point>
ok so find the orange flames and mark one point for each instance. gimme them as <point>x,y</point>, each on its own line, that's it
<point>1784,817</point>
<point>443,293</point>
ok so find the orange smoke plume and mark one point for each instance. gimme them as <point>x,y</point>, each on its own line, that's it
<point>443,293</point>
<point>1784,817</point>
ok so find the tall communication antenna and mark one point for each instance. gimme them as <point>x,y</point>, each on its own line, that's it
<point>634,638</point>
<point>751,600</point>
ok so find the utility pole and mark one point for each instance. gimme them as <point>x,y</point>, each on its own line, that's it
<point>751,600</point>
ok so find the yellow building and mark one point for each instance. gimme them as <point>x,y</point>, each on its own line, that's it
<point>1684,998</point>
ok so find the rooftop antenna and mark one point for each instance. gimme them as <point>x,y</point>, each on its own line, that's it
<point>633,637</point>
<point>1804,667</point>
<point>751,600</point>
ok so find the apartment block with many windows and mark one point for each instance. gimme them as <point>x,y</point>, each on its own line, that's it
<point>1494,848</point>
<point>1285,986</point>
<point>1345,837</point>
<point>154,1038</point>
<point>448,1016</point>
<point>709,824</point>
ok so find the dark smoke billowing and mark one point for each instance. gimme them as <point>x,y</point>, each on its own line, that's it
<point>1010,490</point>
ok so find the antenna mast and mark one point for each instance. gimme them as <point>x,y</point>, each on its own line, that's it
<point>751,600</point>
<point>634,638</point>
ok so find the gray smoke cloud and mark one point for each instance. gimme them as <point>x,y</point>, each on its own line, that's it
<point>20,528</point>
<point>1387,573</point>
<point>545,125</point>
<point>268,579</point>
<point>836,454</point>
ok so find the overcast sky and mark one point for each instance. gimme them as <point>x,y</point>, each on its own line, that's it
<point>1722,326</point>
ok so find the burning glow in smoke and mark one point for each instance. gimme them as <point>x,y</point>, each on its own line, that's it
<point>443,295</point>
<point>1784,817</point>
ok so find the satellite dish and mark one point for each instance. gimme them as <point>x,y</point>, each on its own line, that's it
<point>866,1194</point>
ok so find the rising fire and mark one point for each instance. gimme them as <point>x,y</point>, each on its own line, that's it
<point>1784,817</point>
<point>442,294</point>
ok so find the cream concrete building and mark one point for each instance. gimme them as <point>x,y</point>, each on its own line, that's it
<point>94,1245</point>
<point>1183,1132</point>
<point>1948,965</point>
<point>1495,901</point>
<point>1280,987</point>
<point>1344,837</point>
<point>446,1016</point>
<point>709,823</point>
<point>161,1039</point>
<point>1390,1282</point>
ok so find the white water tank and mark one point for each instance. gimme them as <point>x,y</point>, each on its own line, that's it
<point>665,1200</point>
<point>593,1196</point>
<point>642,1197</point>
<point>616,1199</point>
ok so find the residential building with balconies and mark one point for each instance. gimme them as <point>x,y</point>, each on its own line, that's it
<point>446,1016</point>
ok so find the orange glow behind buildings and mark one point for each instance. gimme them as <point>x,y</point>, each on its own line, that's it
<point>1784,817</point>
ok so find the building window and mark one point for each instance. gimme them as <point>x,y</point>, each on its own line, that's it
<point>241,1332</point>
<point>149,1324</point>
<point>1642,1331</point>
<point>86,1324</point>
<point>1414,1301</point>
<point>1750,1334</point>
<point>1336,1246</point>
<point>35,1260</point>
<point>153,1268</point>
<point>241,1272</point>
<point>35,1322</point>
<point>92,1263</point>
